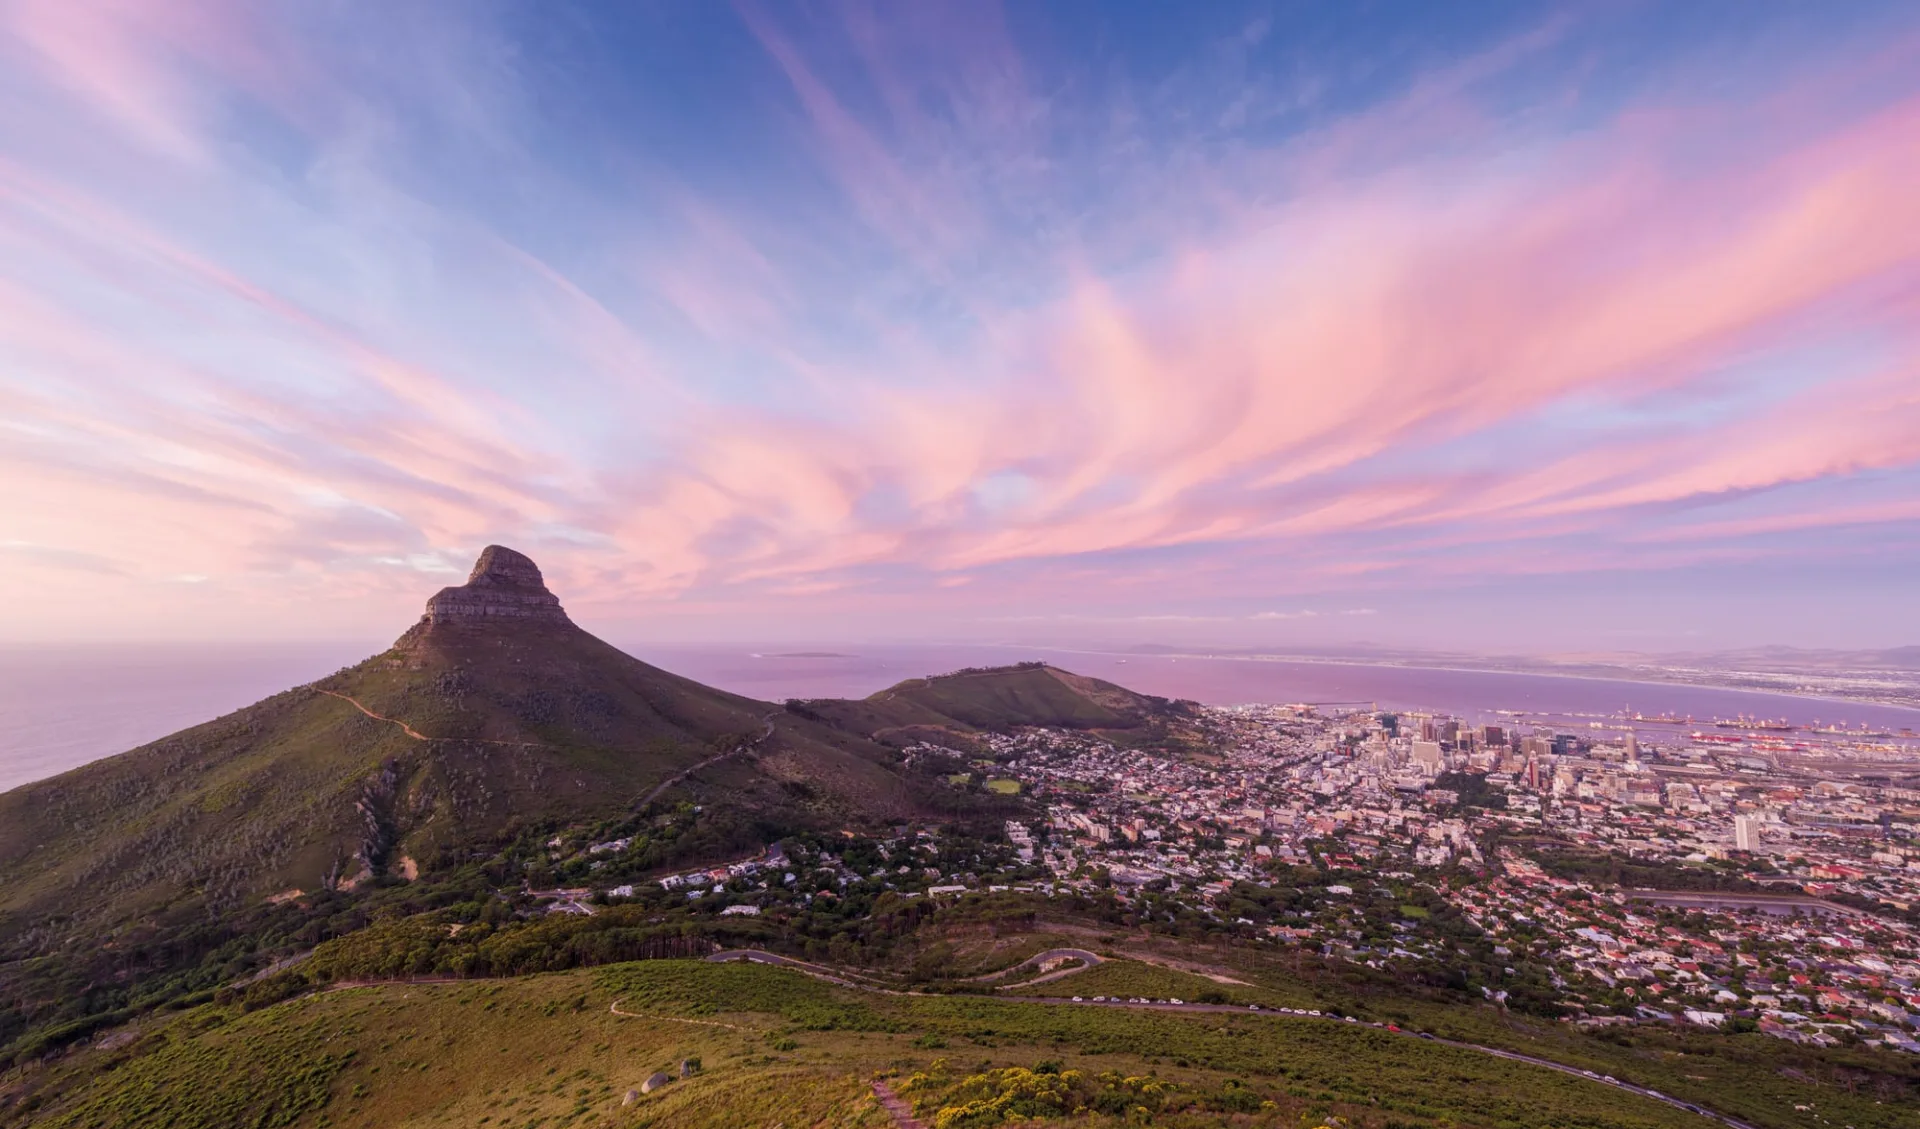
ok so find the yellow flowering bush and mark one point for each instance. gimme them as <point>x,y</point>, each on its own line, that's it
<point>1046,1091</point>
<point>1010,1094</point>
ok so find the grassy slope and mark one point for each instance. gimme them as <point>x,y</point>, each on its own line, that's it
<point>1750,1076</point>
<point>259,795</point>
<point>1024,696</point>
<point>532,723</point>
<point>1753,1076</point>
<point>963,704</point>
<point>539,723</point>
<point>118,878</point>
<point>547,1051</point>
<point>540,1050</point>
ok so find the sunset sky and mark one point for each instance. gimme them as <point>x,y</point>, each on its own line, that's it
<point>1476,326</point>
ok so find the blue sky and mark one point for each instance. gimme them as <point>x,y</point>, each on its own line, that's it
<point>1484,326</point>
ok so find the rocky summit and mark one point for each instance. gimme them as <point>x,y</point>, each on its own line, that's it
<point>503,584</point>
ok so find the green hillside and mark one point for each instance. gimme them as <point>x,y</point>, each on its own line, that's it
<point>775,1047</point>
<point>519,726</point>
<point>415,892</point>
<point>955,706</point>
<point>465,1017</point>
<point>442,763</point>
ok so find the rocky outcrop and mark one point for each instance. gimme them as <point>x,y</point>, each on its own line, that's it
<point>504,585</point>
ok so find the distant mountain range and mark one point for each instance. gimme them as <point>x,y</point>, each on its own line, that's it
<point>1889,676</point>
<point>1903,659</point>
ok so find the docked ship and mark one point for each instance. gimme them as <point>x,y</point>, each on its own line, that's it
<point>1757,725</point>
<point>1841,730</point>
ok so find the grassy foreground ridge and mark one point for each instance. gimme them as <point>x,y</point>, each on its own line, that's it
<point>776,1047</point>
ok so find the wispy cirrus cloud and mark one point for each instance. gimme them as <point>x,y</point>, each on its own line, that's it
<point>960,325</point>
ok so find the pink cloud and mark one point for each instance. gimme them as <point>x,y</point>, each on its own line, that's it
<point>1287,357</point>
<point>1286,375</point>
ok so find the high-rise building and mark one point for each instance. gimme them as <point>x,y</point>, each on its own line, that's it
<point>1746,832</point>
<point>1427,755</point>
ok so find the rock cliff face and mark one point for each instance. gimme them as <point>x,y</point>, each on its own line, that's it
<point>503,584</point>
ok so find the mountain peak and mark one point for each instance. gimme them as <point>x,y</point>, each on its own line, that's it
<point>503,583</point>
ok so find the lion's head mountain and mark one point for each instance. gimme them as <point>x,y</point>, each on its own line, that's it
<point>492,715</point>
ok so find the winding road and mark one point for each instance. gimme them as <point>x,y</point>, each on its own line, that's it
<point>419,736</point>
<point>355,703</point>
<point>709,762</point>
<point>614,1007</point>
<point>831,977</point>
<point>1087,960</point>
<point>760,956</point>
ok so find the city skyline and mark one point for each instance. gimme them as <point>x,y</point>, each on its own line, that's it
<point>1511,325</point>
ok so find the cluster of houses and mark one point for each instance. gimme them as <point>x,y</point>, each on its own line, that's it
<point>714,879</point>
<point>1370,793</point>
<point>1800,970</point>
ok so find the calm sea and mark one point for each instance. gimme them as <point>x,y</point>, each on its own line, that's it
<point>61,707</point>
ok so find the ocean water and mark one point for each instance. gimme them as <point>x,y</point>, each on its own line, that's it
<point>1475,694</point>
<point>61,707</point>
